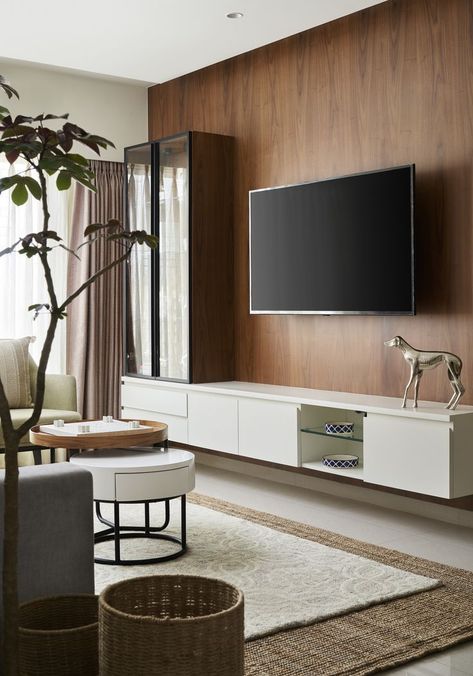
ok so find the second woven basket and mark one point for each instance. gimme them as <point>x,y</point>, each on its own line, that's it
<point>171,625</point>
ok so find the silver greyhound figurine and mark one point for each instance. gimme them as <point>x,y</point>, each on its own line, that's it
<point>420,361</point>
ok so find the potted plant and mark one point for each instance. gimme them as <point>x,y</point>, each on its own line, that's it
<point>50,152</point>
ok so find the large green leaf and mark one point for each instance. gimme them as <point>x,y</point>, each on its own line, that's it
<point>18,130</point>
<point>151,241</point>
<point>25,147</point>
<point>86,183</point>
<point>20,194</point>
<point>63,181</point>
<point>33,186</point>
<point>21,119</point>
<point>50,116</point>
<point>49,164</point>
<point>79,159</point>
<point>93,227</point>
<point>6,183</point>
<point>7,88</point>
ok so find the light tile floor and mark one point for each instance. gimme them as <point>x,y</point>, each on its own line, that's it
<point>429,539</point>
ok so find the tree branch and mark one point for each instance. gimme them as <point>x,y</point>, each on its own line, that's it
<point>43,253</point>
<point>5,415</point>
<point>92,279</point>
<point>44,199</point>
<point>43,256</point>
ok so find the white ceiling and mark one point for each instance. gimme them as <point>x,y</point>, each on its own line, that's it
<point>152,41</point>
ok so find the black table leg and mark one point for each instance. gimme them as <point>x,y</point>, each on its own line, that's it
<point>116,532</point>
<point>38,460</point>
<point>116,513</point>
<point>183,522</point>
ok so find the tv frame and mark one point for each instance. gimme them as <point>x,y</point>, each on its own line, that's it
<point>328,313</point>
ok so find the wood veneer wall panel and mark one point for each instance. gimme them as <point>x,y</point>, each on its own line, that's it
<point>390,85</point>
<point>212,258</point>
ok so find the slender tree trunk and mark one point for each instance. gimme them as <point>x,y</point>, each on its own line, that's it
<point>12,438</point>
<point>10,557</point>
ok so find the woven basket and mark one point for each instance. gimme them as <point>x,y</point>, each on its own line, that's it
<point>59,635</point>
<point>171,625</point>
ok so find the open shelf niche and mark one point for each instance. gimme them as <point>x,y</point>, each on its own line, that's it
<point>316,443</point>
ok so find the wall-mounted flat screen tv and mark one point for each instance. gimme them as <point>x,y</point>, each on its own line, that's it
<point>337,246</point>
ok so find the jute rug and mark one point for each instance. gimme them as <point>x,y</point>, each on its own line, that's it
<point>365,641</point>
<point>287,581</point>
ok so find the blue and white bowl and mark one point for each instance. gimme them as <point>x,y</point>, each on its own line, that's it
<point>340,461</point>
<point>345,428</point>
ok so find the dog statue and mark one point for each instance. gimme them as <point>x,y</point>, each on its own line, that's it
<point>420,361</point>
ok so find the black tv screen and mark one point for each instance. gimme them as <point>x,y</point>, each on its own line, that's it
<point>337,246</point>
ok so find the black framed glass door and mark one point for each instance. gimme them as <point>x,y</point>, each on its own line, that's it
<point>139,269</point>
<point>173,258</point>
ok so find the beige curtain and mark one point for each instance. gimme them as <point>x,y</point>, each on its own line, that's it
<point>94,322</point>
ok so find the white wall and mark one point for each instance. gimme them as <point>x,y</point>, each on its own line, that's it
<point>110,108</point>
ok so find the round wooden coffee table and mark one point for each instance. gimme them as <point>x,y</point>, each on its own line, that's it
<point>150,434</point>
<point>139,474</point>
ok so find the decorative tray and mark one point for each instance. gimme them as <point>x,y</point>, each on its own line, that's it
<point>93,427</point>
<point>148,433</point>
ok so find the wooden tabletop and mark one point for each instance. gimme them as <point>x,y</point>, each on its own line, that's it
<point>154,433</point>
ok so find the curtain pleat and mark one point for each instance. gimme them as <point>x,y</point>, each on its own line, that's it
<point>94,332</point>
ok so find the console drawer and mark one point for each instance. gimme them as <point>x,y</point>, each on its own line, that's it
<point>139,486</point>
<point>149,398</point>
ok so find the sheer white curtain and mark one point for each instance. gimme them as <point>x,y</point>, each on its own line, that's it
<point>174,273</point>
<point>139,200</point>
<point>21,279</point>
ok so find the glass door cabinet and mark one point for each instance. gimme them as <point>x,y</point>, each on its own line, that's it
<point>179,309</point>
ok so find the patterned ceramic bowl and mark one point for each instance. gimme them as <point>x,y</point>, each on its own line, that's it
<point>340,461</point>
<point>345,428</point>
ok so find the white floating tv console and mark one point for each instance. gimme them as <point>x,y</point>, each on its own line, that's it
<point>427,450</point>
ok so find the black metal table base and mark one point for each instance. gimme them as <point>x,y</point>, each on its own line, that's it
<point>117,532</point>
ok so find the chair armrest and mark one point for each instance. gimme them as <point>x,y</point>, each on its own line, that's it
<point>56,533</point>
<point>60,392</point>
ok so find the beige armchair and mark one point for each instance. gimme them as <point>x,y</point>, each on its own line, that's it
<point>60,401</point>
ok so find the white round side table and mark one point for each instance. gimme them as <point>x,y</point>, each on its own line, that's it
<point>139,476</point>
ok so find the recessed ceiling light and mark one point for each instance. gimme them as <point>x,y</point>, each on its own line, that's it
<point>235,15</point>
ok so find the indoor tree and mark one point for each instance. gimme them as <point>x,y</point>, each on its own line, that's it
<point>45,152</point>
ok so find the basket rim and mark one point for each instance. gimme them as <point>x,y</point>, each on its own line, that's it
<point>151,619</point>
<point>56,632</point>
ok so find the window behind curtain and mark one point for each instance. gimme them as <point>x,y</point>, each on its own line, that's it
<point>21,279</point>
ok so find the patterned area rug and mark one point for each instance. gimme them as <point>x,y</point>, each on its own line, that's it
<point>370,640</point>
<point>288,581</point>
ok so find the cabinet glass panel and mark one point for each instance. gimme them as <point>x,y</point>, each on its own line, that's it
<point>173,265</point>
<point>139,265</point>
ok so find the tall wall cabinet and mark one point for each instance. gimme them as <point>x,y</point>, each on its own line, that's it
<point>179,298</point>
